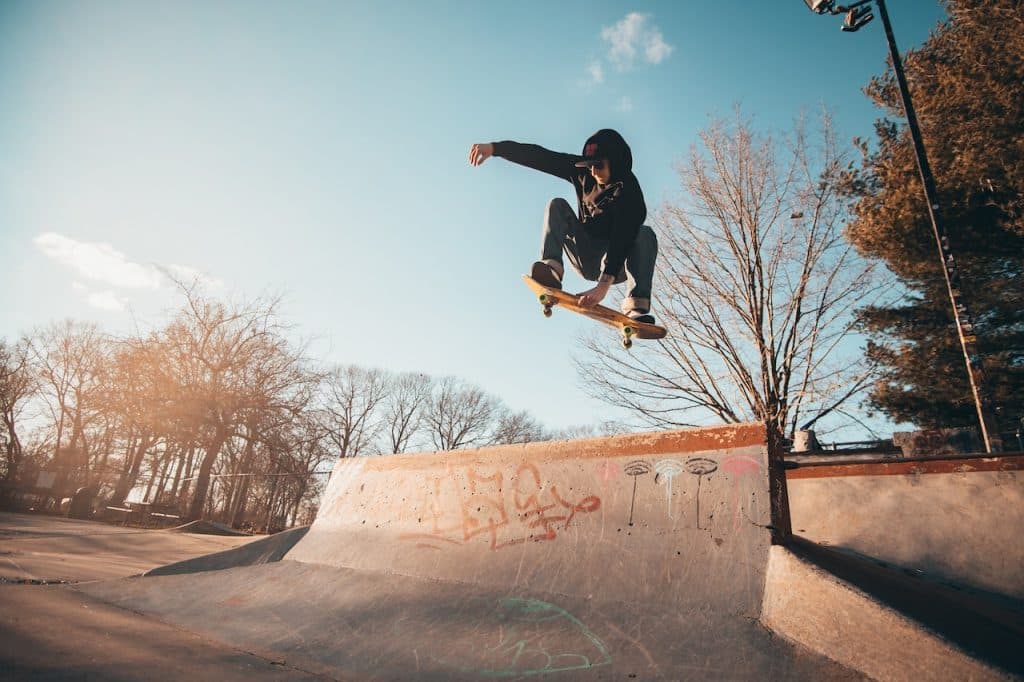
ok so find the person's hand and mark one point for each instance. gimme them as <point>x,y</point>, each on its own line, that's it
<point>588,299</point>
<point>480,152</point>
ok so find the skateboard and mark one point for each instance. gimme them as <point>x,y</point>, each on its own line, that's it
<point>630,329</point>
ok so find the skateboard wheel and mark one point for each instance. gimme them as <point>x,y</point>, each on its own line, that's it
<point>628,331</point>
<point>627,343</point>
<point>547,311</point>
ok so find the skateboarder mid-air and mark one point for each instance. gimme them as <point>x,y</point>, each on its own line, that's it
<point>607,240</point>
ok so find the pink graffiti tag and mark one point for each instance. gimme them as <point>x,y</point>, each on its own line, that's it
<point>739,466</point>
<point>608,471</point>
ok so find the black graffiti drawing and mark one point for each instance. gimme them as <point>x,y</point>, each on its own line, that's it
<point>635,468</point>
<point>700,467</point>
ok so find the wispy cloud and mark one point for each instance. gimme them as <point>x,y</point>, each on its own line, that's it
<point>635,37</point>
<point>102,265</point>
<point>98,262</point>
<point>633,41</point>
<point>105,300</point>
<point>188,275</point>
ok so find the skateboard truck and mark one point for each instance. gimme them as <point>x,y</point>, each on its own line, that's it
<point>548,302</point>
<point>627,337</point>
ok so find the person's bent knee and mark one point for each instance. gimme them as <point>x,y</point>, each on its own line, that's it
<point>558,205</point>
<point>646,235</point>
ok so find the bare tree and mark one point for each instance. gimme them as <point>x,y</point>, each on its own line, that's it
<point>409,394</point>
<point>70,359</point>
<point>757,287</point>
<point>517,427</point>
<point>311,449</point>
<point>352,404</point>
<point>228,360</point>
<point>17,385</point>
<point>459,415</point>
<point>581,431</point>
<point>138,397</point>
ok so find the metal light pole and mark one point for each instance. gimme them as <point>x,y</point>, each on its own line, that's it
<point>857,15</point>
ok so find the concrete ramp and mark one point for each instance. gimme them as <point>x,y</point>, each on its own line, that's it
<point>632,557</point>
<point>676,518</point>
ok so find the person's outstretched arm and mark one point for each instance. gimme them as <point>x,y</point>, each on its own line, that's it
<point>530,155</point>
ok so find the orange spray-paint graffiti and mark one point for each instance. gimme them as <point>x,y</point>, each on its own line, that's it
<point>465,504</point>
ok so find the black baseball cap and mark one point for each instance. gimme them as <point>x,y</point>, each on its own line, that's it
<point>592,155</point>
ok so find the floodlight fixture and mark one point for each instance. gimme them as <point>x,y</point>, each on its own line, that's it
<point>820,6</point>
<point>856,13</point>
<point>856,18</point>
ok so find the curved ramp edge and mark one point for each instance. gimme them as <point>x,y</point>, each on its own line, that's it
<point>265,550</point>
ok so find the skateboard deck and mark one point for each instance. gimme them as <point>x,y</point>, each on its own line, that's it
<point>630,329</point>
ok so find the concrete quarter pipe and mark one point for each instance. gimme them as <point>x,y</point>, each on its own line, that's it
<point>631,557</point>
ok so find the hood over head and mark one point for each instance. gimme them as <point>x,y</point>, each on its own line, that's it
<point>607,144</point>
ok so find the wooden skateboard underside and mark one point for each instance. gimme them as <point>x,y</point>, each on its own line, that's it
<point>630,329</point>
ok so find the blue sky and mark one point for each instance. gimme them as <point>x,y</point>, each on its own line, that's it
<point>318,150</point>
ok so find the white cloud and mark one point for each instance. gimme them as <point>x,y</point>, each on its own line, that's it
<point>657,50</point>
<point>596,71</point>
<point>188,275</point>
<point>634,35</point>
<point>98,262</point>
<point>105,300</point>
<point>102,264</point>
<point>625,105</point>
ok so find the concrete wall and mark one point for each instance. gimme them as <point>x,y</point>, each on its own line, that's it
<point>956,520</point>
<point>808,605</point>
<point>673,517</point>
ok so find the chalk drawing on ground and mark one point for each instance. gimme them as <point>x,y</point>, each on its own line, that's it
<point>530,637</point>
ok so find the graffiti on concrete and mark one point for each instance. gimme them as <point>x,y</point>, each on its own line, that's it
<point>466,503</point>
<point>700,467</point>
<point>607,471</point>
<point>635,468</point>
<point>665,471</point>
<point>533,637</point>
<point>738,467</point>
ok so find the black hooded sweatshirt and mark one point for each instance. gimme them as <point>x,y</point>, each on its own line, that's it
<point>612,213</point>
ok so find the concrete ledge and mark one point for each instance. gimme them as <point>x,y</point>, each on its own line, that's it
<point>953,520</point>
<point>808,605</point>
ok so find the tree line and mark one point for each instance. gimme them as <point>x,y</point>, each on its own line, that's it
<point>218,415</point>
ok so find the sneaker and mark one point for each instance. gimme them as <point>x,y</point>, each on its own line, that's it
<point>638,316</point>
<point>546,275</point>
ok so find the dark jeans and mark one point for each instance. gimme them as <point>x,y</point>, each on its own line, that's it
<point>563,231</point>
